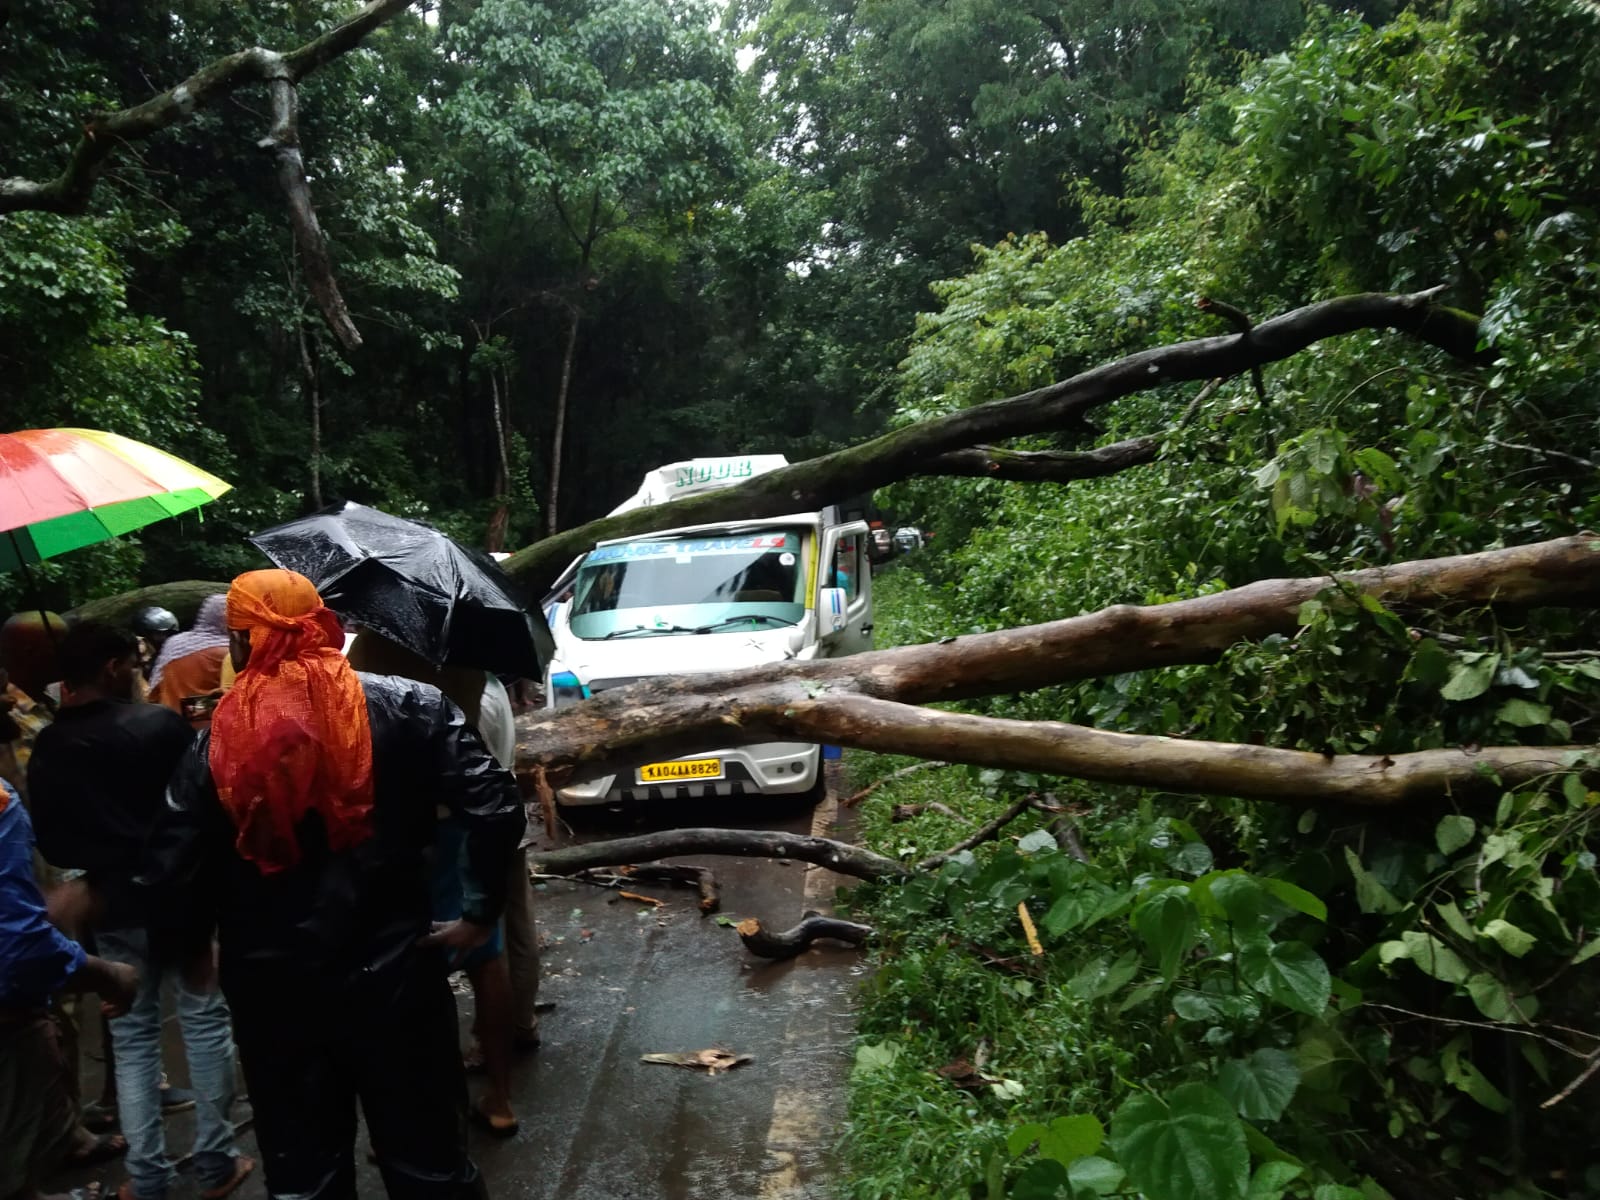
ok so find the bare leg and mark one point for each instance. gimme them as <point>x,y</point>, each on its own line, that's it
<point>491,990</point>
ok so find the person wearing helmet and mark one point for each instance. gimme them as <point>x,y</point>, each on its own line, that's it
<point>152,626</point>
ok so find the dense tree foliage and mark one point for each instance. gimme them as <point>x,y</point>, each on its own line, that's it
<point>1289,1003</point>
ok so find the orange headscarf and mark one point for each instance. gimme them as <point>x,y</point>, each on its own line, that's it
<point>292,736</point>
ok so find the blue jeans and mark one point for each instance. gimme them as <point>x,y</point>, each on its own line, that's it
<point>208,1045</point>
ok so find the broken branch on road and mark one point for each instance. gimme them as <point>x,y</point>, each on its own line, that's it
<point>787,943</point>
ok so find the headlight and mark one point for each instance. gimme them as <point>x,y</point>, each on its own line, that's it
<point>566,688</point>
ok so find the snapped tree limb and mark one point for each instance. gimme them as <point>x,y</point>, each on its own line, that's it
<point>819,700</point>
<point>903,453</point>
<point>105,133</point>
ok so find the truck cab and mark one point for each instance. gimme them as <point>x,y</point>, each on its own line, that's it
<point>709,598</point>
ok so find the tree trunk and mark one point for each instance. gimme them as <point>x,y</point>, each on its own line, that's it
<point>551,512</point>
<point>917,449</point>
<point>501,516</point>
<point>311,392</point>
<point>182,598</point>
<point>864,700</point>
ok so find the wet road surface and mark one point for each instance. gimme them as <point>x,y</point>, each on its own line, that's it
<point>628,979</point>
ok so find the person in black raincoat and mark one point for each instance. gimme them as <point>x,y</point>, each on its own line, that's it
<point>298,829</point>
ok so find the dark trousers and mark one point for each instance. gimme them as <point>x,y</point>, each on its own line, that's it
<point>392,1044</point>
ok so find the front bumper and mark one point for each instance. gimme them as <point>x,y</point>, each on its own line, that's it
<point>770,769</point>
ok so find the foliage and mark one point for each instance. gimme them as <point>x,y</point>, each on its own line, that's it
<point>1239,999</point>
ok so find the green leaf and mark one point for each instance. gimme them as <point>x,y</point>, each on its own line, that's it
<point>1461,1073</point>
<point>1459,925</point>
<point>1291,973</point>
<point>1429,953</point>
<point>1377,465</point>
<point>1096,1174</point>
<point>1454,832</point>
<point>1296,898</point>
<point>1272,1179</point>
<point>1523,713</point>
<point>1514,941</point>
<point>1042,1180</point>
<point>1371,895</point>
<point>1469,680</point>
<point>1069,1138</point>
<point>1244,903</point>
<point>1337,1191</point>
<point>1022,1137</point>
<point>1040,840</point>
<point>1491,996</point>
<point>1098,979</point>
<point>1192,1147</point>
<point>1588,951</point>
<point>1572,788</point>
<point>1169,926</point>
<point>1260,1086</point>
<point>871,1058</point>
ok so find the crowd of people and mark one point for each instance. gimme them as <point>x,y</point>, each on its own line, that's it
<point>296,835</point>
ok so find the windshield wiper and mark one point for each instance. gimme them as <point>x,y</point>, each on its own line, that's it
<point>638,629</point>
<point>715,625</point>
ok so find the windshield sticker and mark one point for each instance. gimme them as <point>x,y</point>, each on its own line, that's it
<point>786,559</point>
<point>688,549</point>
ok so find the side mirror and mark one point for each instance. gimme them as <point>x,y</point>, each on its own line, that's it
<point>831,605</point>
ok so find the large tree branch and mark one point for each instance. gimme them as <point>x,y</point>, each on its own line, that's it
<point>103,134</point>
<point>283,140</point>
<point>1168,764</point>
<point>904,453</point>
<point>1044,466</point>
<point>665,718</point>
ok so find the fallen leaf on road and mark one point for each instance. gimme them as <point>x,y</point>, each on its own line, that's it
<point>650,900</point>
<point>713,1061</point>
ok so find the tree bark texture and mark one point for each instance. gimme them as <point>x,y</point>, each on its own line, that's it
<point>906,452</point>
<point>867,700</point>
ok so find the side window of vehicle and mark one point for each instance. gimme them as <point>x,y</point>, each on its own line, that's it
<point>847,567</point>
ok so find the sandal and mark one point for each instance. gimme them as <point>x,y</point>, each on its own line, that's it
<point>101,1148</point>
<point>491,1126</point>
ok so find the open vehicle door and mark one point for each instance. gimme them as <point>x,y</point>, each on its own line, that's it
<point>844,599</point>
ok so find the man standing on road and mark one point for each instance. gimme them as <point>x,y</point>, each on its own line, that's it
<point>38,1115</point>
<point>97,780</point>
<point>298,827</point>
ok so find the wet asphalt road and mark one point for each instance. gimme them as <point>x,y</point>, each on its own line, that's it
<point>628,979</point>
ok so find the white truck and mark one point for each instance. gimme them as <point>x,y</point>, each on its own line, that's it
<point>709,598</point>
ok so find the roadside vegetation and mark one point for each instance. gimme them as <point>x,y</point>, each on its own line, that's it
<point>1251,999</point>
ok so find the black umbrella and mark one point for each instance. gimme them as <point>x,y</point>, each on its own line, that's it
<point>415,586</point>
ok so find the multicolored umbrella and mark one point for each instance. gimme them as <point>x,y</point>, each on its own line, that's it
<point>63,489</point>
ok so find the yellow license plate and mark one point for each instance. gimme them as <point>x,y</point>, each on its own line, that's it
<point>675,772</point>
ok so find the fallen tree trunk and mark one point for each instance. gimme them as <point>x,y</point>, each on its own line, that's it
<point>818,701</point>
<point>906,452</point>
<point>669,843</point>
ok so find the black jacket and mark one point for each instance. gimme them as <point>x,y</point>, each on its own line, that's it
<point>96,780</point>
<point>335,918</point>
